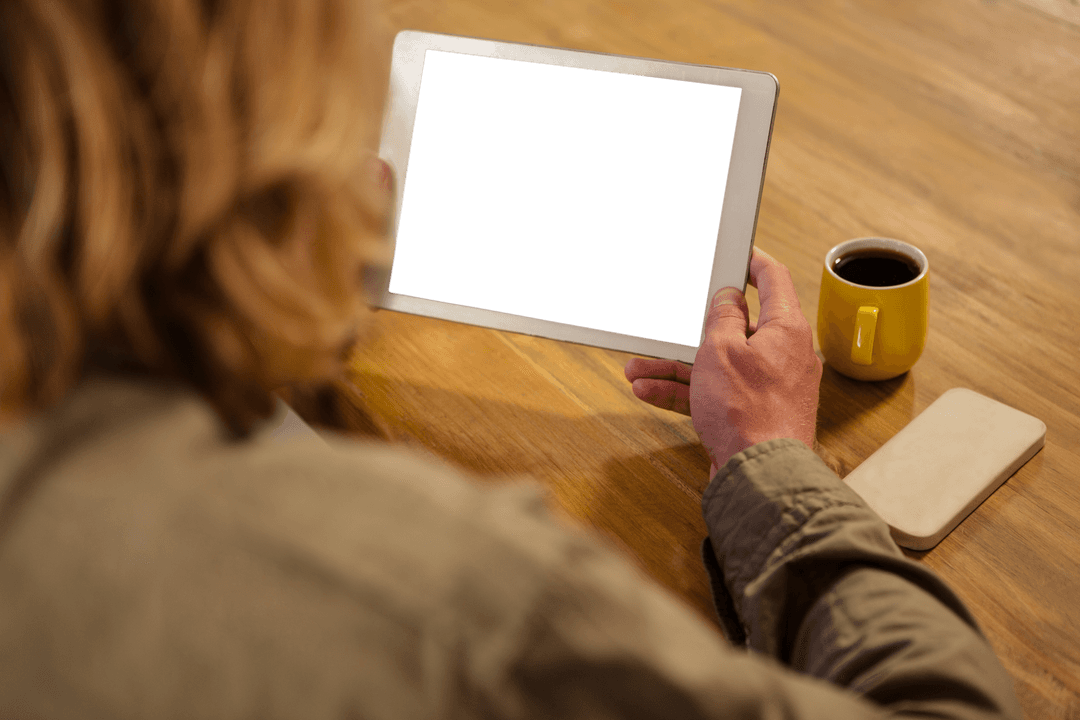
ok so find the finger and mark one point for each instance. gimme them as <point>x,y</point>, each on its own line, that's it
<point>776,291</point>
<point>377,190</point>
<point>729,316</point>
<point>380,175</point>
<point>638,368</point>
<point>664,394</point>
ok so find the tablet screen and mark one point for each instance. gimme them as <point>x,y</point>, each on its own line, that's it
<point>576,196</point>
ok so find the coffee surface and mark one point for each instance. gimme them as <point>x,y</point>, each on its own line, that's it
<point>876,268</point>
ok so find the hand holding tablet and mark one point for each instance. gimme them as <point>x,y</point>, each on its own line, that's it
<point>577,196</point>
<point>601,200</point>
<point>752,382</point>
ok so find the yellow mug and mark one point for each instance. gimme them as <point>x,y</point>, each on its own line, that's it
<point>873,314</point>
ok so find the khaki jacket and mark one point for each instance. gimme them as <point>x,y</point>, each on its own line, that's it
<point>150,567</point>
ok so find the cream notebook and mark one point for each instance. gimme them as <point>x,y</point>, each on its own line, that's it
<point>932,474</point>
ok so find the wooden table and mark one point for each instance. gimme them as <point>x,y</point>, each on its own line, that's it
<point>952,125</point>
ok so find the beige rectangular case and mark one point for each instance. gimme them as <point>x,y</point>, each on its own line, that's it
<point>926,479</point>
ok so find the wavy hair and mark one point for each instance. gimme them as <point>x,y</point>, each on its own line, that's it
<point>183,186</point>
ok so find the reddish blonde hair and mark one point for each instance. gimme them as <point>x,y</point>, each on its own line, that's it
<point>182,185</point>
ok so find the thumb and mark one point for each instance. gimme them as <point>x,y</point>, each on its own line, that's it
<point>729,315</point>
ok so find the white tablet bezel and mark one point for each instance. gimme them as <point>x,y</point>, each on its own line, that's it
<point>741,199</point>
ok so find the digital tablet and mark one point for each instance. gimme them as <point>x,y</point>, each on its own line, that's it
<point>585,197</point>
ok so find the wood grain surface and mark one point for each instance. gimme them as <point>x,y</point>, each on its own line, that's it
<point>951,125</point>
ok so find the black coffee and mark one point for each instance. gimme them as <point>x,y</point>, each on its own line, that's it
<point>876,268</point>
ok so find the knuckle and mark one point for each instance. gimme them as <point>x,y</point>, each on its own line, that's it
<point>725,310</point>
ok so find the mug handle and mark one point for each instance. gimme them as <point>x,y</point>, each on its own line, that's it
<point>862,343</point>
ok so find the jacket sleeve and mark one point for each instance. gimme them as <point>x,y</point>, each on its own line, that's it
<point>815,581</point>
<point>813,576</point>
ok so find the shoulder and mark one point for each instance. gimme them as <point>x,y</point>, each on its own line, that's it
<point>145,538</point>
<point>122,460</point>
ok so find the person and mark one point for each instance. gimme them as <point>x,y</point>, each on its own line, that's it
<point>189,220</point>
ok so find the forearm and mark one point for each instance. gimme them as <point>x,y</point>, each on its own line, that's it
<point>818,583</point>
